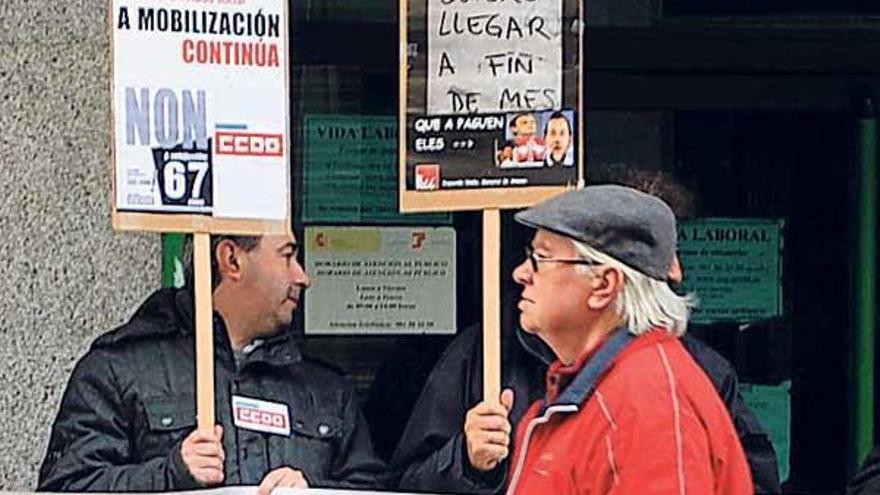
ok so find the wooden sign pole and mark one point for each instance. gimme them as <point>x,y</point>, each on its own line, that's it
<point>491,305</point>
<point>204,332</point>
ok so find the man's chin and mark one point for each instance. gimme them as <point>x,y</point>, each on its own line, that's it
<point>527,326</point>
<point>284,320</point>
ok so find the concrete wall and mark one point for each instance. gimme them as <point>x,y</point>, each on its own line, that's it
<point>66,276</point>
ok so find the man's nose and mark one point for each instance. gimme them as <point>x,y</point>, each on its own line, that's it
<point>300,277</point>
<point>522,274</point>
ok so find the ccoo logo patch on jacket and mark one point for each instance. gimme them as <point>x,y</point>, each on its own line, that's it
<point>260,415</point>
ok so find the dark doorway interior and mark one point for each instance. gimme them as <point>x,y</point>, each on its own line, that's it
<point>797,167</point>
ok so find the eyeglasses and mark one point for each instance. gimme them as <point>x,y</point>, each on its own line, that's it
<point>530,255</point>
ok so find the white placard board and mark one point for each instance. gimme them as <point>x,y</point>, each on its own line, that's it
<point>489,103</point>
<point>200,114</point>
<point>380,280</point>
<point>492,56</point>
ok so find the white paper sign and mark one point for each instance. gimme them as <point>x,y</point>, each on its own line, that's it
<point>488,56</point>
<point>372,280</point>
<point>200,107</point>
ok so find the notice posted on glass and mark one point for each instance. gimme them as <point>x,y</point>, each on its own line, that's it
<point>380,280</point>
<point>734,266</point>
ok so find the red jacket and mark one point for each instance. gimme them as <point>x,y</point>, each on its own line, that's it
<point>635,416</point>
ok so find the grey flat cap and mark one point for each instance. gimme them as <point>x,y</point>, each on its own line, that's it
<point>635,228</point>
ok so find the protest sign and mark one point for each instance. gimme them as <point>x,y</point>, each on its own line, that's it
<point>199,104</point>
<point>200,132</point>
<point>490,96</point>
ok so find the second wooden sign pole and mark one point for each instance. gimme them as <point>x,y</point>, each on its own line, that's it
<point>204,332</point>
<point>491,305</point>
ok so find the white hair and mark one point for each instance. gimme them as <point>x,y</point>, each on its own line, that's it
<point>644,303</point>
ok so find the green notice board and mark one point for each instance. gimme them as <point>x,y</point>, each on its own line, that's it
<point>772,405</point>
<point>734,266</point>
<point>350,171</point>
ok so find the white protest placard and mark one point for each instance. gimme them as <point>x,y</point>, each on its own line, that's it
<point>380,280</point>
<point>490,56</point>
<point>200,121</point>
<point>490,103</point>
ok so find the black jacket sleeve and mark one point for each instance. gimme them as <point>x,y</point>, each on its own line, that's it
<point>356,465</point>
<point>447,470</point>
<point>756,443</point>
<point>431,454</point>
<point>90,449</point>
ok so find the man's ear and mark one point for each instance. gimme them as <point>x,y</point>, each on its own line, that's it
<point>606,283</point>
<point>228,256</point>
<point>674,274</point>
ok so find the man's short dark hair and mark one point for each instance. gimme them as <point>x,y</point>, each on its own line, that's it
<point>682,200</point>
<point>246,242</point>
<point>557,115</point>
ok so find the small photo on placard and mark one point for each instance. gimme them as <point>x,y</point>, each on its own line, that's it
<point>537,139</point>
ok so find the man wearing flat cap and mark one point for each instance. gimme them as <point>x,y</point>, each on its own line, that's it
<point>627,410</point>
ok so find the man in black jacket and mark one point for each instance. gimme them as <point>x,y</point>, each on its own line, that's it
<point>127,418</point>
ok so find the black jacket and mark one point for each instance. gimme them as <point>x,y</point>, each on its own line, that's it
<point>131,400</point>
<point>431,455</point>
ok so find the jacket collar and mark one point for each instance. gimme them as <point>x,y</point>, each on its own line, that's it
<point>159,315</point>
<point>276,350</point>
<point>590,367</point>
<point>578,381</point>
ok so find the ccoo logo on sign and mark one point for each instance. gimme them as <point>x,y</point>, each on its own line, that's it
<point>248,144</point>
